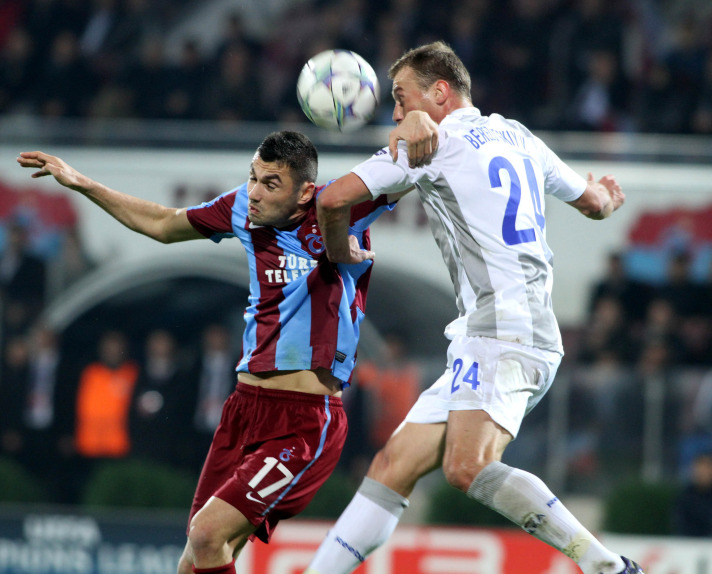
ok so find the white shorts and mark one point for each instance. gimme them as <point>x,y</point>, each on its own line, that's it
<point>506,380</point>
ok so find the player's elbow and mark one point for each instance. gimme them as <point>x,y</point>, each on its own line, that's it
<point>162,239</point>
<point>330,202</point>
<point>161,233</point>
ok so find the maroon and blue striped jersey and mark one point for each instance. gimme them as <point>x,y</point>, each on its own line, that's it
<point>304,312</point>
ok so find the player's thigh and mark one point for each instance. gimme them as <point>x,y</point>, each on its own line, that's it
<point>412,451</point>
<point>473,440</point>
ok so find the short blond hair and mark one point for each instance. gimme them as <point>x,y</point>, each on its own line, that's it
<point>433,62</point>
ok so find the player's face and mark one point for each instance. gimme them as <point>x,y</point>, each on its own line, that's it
<point>409,96</point>
<point>273,200</point>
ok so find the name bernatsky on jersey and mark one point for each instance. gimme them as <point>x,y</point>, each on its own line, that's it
<point>480,136</point>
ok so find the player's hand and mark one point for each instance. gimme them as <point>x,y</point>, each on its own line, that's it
<point>612,187</point>
<point>354,255</point>
<point>420,132</point>
<point>54,166</point>
<point>358,255</point>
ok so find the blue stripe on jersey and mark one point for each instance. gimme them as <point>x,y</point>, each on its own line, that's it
<point>319,450</point>
<point>293,352</point>
<point>239,219</point>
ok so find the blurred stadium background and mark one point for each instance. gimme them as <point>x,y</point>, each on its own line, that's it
<point>167,100</point>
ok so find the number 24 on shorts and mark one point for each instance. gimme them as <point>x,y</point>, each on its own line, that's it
<point>469,377</point>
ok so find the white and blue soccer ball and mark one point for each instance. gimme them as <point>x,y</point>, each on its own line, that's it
<point>338,90</point>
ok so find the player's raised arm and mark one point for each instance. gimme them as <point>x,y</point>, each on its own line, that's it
<point>601,198</point>
<point>164,224</point>
<point>334,212</point>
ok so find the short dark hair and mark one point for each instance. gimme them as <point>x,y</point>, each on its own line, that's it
<point>433,62</point>
<point>293,149</point>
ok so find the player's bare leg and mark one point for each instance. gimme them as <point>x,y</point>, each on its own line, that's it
<point>413,451</point>
<point>372,515</point>
<point>217,534</point>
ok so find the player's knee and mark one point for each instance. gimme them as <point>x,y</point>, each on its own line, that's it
<point>204,538</point>
<point>461,472</point>
<point>381,464</point>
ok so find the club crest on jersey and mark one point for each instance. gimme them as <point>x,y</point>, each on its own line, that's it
<point>286,454</point>
<point>315,243</point>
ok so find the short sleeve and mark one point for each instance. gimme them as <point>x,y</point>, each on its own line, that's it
<point>382,175</point>
<point>214,218</point>
<point>559,179</point>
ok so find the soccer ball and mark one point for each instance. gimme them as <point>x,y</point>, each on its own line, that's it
<point>338,90</point>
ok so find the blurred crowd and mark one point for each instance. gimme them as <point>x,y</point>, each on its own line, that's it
<point>594,65</point>
<point>652,326</point>
<point>64,409</point>
<point>640,373</point>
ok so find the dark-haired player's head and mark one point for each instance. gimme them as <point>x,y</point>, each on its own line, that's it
<point>282,179</point>
<point>294,150</point>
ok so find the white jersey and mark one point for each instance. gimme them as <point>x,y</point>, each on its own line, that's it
<point>484,196</point>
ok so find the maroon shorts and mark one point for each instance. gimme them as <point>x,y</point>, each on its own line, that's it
<point>271,452</point>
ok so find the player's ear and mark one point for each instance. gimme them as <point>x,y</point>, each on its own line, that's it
<point>442,91</point>
<point>306,192</point>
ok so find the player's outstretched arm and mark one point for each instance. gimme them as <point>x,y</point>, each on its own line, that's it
<point>163,224</point>
<point>601,198</point>
<point>420,132</point>
<point>334,213</point>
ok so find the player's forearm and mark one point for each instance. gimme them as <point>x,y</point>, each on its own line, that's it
<point>140,215</point>
<point>334,226</point>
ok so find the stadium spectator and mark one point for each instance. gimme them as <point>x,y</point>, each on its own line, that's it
<point>161,405</point>
<point>235,36</point>
<point>16,70</point>
<point>702,118</point>
<point>103,400</point>
<point>23,281</point>
<point>692,515</point>
<point>13,382</point>
<point>41,414</point>
<point>71,264</point>
<point>214,380</point>
<point>659,342</point>
<point>658,105</point>
<point>607,337</point>
<point>632,295</point>
<point>392,383</point>
<point>145,82</point>
<point>684,295</point>
<point>68,83</point>
<point>520,60</point>
<point>588,26</point>
<point>227,100</point>
<point>600,101</point>
<point>186,84</point>
<point>686,61</point>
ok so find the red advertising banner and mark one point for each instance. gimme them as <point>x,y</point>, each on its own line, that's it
<point>415,550</point>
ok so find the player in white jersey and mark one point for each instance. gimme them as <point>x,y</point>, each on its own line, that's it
<point>483,190</point>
